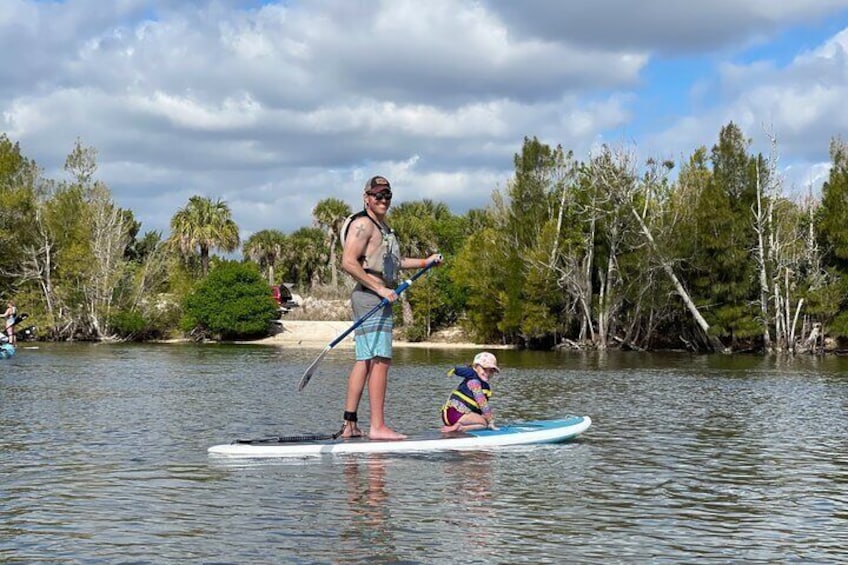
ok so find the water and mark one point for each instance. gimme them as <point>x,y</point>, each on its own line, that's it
<point>689,460</point>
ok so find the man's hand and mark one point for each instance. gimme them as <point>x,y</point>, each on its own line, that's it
<point>435,258</point>
<point>387,293</point>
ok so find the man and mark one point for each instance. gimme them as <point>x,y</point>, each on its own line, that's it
<point>372,257</point>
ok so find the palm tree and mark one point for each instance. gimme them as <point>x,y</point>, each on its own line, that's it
<point>203,225</point>
<point>305,256</point>
<point>330,214</point>
<point>416,223</point>
<point>265,247</point>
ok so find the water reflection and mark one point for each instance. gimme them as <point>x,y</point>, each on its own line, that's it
<point>367,532</point>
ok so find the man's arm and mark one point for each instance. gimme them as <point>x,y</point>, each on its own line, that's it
<point>414,263</point>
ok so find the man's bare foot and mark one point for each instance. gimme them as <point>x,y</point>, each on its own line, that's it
<point>351,430</point>
<point>384,433</point>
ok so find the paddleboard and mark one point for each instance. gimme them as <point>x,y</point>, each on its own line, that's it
<point>525,433</point>
<point>6,350</point>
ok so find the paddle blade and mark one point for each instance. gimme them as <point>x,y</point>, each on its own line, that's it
<point>304,380</point>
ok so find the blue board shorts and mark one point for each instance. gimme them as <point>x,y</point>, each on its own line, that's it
<point>374,337</point>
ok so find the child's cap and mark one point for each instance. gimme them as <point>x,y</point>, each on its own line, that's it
<point>486,360</point>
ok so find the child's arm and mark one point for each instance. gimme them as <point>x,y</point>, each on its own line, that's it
<point>481,400</point>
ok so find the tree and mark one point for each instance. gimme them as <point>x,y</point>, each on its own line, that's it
<point>418,225</point>
<point>305,257</point>
<point>832,235</point>
<point>18,180</point>
<point>232,302</point>
<point>203,225</point>
<point>479,268</point>
<point>265,248</point>
<point>329,214</point>
<point>102,265</point>
<point>830,220</point>
<point>651,184</point>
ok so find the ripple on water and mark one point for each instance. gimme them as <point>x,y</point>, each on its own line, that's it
<point>689,460</point>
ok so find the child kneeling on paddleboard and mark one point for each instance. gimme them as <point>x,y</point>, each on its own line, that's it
<point>467,407</point>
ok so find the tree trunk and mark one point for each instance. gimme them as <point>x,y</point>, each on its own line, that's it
<point>204,259</point>
<point>759,227</point>
<point>406,313</point>
<point>334,276</point>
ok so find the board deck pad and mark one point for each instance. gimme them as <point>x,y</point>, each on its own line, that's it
<point>523,433</point>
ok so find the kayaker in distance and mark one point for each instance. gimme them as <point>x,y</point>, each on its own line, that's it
<point>11,315</point>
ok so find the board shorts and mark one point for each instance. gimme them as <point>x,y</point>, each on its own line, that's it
<point>451,415</point>
<point>373,338</point>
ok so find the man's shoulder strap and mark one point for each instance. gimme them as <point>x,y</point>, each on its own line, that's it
<point>353,217</point>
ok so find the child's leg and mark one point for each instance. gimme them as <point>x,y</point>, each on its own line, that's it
<point>473,421</point>
<point>470,421</point>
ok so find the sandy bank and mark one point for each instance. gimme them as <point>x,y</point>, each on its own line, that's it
<point>301,333</point>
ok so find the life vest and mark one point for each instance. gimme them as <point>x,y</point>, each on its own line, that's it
<point>384,261</point>
<point>463,392</point>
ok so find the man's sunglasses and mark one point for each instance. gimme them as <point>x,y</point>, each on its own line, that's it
<point>383,195</point>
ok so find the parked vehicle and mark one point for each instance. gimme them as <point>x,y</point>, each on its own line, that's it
<point>285,298</point>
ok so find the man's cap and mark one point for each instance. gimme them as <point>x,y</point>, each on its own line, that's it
<point>486,360</point>
<point>377,184</point>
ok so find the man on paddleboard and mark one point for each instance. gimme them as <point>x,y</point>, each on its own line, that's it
<point>11,315</point>
<point>372,257</point>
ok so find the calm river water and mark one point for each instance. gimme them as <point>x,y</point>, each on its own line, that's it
<point>689,460</point>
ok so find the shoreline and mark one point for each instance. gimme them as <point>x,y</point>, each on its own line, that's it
<point>318,334</point>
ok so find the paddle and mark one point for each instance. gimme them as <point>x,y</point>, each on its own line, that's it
<point>20,318</point>
<point>304,380</point>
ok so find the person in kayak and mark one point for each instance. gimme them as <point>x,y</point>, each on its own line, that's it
<point>468,407</point>
<point>371,255</point>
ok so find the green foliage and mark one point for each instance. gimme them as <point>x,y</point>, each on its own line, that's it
<point>415,333</point>
<point>18,177</point>
<point>831,217</point>
<point>127,324</point>
<point>330,215</point>
<point>265,248</point>
<point>558,254</point>
<point>305,257</point>
<point>479,268</point>
<point>719,240</point>
<point>201,226</point>
<point>233,302</point>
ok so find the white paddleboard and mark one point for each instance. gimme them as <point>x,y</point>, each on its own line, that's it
<point>525,433</point>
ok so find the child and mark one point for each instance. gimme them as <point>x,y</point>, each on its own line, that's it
<point>467,408</point>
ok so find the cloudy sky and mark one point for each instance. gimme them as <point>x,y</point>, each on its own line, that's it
<point>273,106</point>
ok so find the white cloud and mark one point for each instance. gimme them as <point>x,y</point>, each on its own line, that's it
<point>801,103</point>
<point>275,107</point>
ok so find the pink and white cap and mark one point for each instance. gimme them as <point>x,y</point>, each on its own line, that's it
<point>486,360</point>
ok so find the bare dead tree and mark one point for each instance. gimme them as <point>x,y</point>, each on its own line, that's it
<point>762,211</point>
<point>109,239</point>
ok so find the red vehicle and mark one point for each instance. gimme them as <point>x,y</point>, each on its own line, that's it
<point>284,297</point>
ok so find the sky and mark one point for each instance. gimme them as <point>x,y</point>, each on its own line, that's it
<point>274,106</point>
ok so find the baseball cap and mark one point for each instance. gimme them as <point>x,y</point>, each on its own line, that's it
<point>377,184</point>
<point>486,360</point>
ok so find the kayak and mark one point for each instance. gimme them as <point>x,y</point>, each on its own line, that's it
<point>6,350</point>
<point>525,433</point>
